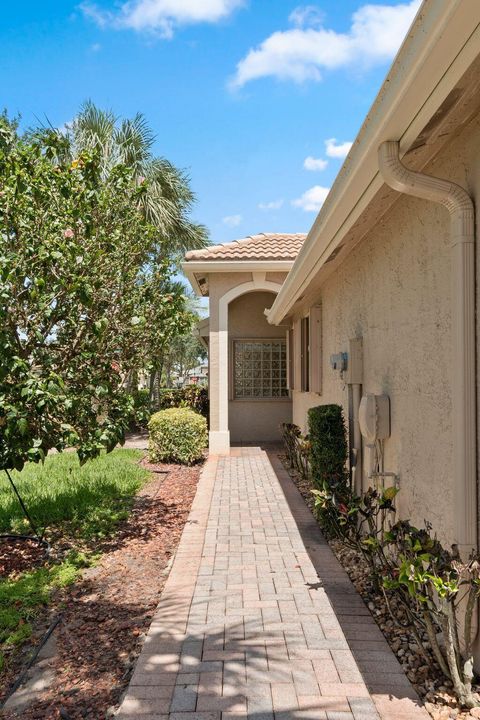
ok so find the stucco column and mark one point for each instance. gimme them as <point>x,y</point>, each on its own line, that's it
<point>219,435</point>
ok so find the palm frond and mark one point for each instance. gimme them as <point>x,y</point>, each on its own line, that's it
<point>134,140</point>
<point>93,129</point>
<point>168,198</point>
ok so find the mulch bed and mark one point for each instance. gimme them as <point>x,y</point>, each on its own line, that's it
<point>18,556</point>
<point>107,613</point>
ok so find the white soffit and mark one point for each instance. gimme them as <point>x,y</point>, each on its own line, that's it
<point>195,270</point>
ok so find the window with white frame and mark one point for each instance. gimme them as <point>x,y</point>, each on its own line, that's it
<point>260,369</point>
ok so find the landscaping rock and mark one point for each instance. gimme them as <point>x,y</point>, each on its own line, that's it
<point>427,678</point>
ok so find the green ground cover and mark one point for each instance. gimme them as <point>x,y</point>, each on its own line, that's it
<point>87,501</point>
<point>82,504</point>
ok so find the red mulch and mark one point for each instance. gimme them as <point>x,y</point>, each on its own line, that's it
<point>17,556</point>
<point>106,613</point>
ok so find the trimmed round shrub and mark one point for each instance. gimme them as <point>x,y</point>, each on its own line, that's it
<point>177,435</point>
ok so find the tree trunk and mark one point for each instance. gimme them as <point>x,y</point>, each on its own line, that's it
<point>151,388</point>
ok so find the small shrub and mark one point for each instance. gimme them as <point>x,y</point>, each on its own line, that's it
<point>191,396</point>
<point>437,591</point>
<point>328,457</point>
<point>328,446</point>
<point>297,448</point>
<point>177,435</point>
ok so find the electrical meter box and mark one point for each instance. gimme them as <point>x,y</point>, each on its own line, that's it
<point>354,375</point>
<point>374,418</point>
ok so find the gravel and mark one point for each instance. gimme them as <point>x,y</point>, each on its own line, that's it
<point>417,662</point>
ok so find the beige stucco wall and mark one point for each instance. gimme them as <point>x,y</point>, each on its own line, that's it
<point>252,420</point>
<point>219,284</point>
<point>394,290</point>
<point>248,420</point>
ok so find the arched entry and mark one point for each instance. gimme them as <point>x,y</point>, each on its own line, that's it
<point>219,436</point>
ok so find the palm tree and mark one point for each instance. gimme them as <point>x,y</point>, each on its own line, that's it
<point>169,198</point>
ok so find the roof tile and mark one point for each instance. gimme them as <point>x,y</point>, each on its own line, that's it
<point>264,246</point>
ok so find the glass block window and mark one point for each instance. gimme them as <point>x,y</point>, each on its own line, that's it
<point>260,369</point>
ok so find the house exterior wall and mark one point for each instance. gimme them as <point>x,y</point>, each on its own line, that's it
<point>394,291</point>
<point>219,284</point>
<point>247,420</point>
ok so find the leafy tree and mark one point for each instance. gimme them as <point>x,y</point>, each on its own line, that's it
<point>185,353</point>
<point>166,316</point>
<point>79,258</point>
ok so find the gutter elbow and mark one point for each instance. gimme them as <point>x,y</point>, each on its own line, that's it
<point>452,196</point>
<point>393,172</point>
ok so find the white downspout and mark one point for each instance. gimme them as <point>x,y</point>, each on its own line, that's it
<point>461,209</point>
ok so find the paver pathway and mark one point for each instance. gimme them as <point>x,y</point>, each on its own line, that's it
<point>258,619</point>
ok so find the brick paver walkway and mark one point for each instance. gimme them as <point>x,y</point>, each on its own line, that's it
<point>258,619</point>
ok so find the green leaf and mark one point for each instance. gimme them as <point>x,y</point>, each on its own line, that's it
<point>390,492</point>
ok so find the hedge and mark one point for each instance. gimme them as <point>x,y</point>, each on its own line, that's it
<point>192,396</point>
<point>328,445</point>
<point>177,435</point>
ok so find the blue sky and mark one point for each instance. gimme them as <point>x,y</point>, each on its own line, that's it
<point>239,92</point>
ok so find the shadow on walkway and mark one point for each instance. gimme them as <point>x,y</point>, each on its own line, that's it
<point>258,619</point>
<point>380,669</point>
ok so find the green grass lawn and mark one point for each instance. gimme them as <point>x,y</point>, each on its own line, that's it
<point>83,503</point>
<point>88,501</point>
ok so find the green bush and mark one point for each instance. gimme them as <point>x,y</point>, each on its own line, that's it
<point>328,446</point>
<point>297,448</point>
<point>141,409</point>
<point>191,396</point>
<point>177,435</point>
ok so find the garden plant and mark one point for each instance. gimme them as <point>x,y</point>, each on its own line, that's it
<point>85,280</point>
<point>177,435</point>
<point>437,589</point>
<point>91,223</point>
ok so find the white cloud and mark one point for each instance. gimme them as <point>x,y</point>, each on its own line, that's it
<point>314,164</point>
<point>307,15</point>
<point>100,17</point>
<point>272,205</point>
<point>160,16</point>
<point>313,199</point>
<point>335,149</point>
<point>232,220</point>
<point>303,53</point>
<point>66,127</point>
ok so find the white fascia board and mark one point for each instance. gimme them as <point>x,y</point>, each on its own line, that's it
<point>203,327</point>
<point>192,279</point>
<point>202,332</point>
<point>192,268</point>
<point>212,266</point>
<point>442,43</point>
